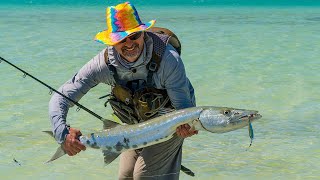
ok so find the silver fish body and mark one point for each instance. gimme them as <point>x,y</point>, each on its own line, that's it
<point>119,138</point>
<point>126,137</point>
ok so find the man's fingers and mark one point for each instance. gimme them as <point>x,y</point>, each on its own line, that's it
<point>68,148</point>
<point>78,133</point>
<point>181,131</point>
<point>74,135</point>
<point>185,131</point>
<point>187,126</point>
<point>72,145</point>
<point>70,152</point>
<point>178,131</point>
<point>190,131</point>
<point>74,132</point>
<point>78,145</point>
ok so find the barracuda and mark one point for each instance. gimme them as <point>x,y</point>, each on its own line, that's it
<point>118,138</point>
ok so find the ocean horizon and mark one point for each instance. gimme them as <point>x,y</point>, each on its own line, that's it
<point>169,2</point>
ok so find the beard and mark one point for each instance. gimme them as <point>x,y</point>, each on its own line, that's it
<point>131,52</point>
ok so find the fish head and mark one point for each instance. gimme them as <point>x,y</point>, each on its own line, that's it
<point>224,119</point>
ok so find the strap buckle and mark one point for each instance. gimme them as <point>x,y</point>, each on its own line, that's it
<point>153,66</point>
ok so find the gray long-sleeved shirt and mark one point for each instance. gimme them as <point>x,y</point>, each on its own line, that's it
<point>170,76</point>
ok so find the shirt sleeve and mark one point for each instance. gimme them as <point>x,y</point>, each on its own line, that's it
<point>175,81</point>
<point>90,75</point>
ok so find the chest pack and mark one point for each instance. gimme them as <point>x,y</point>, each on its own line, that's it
<point>133,105</point>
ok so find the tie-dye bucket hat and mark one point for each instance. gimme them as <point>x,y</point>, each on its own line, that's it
<point>122,20</point>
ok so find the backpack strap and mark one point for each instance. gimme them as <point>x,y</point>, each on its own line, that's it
<point>152,67</point>
<point>111,68</point>
<point>161,37</point>
<point>159,46</point>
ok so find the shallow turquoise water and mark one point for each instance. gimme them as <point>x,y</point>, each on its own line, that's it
<point>263,58</point>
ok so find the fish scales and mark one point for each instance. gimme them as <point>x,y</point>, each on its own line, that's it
<point>122,138</point>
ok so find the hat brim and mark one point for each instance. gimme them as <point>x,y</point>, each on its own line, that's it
<point>112,38</point>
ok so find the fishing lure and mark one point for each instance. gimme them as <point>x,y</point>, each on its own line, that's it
<point>251,135</point>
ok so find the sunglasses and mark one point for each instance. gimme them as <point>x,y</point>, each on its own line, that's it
<point>133,37</point>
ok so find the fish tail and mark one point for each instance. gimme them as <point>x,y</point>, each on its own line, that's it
<point>50,133</point>
<point>60,151</point>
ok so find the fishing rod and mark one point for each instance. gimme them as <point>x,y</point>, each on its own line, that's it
<point>52,89</point>
<point>183,168</point>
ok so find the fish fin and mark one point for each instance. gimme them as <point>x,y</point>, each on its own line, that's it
<point>108,124</point>
<point>163,111</point>
<point>109,156</point>
<point>187,170</point>
<point>116,119</point>
<point>49,132</point>
<point>60,152</point>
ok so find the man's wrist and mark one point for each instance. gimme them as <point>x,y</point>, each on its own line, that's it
<point>64,135</point>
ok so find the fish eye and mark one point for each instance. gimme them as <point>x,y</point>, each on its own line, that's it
<point>226,112</point>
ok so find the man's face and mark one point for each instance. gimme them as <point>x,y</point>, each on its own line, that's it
<point>131,47</point>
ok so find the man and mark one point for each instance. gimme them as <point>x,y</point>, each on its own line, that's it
<point>147,76</point>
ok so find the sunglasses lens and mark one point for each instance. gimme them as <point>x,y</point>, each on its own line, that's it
<point>133,37</point>
<point>123,41</point>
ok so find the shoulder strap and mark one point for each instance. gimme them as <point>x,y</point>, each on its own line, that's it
<point>111,68</point>
<point>152,67</point>
<point>161,37</point>
<point>159,46</point>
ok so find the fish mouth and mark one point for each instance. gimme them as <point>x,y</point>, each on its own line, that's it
<point>251,116</point>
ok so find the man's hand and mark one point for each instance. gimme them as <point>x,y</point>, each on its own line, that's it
<point>72,145</point>
<point>185,131</point>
